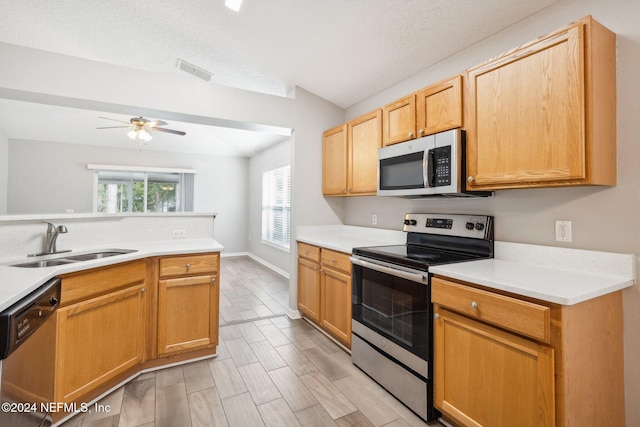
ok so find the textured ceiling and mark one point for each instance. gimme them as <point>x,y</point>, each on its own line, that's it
<point>341,50</point>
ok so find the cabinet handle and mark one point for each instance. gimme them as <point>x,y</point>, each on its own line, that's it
<point>421,131</point>
<point>143,290</point>
<point>469,179</point>
<point>188,266</point>
<point>333,261</point>
<point>410,135</point>
<point>436,316</point>
<point>213,280</point>
<point>474,305</point>
<point>343,190</point>
<point>349,190</point>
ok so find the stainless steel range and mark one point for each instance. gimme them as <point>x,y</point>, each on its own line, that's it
<point>392,324</point>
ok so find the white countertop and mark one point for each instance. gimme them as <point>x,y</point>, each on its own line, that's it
<point>558,275</point>
<point>343,238</point>
<point>554,274</point>
<point>17,282</point>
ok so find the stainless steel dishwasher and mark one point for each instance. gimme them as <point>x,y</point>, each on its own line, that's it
<point>25,357</point>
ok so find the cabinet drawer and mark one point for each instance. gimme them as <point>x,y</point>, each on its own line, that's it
<point>519,316</point>
<point>337,260</point>
<point>309,252</point>
<point>190,264</point>
<point>89,284</point>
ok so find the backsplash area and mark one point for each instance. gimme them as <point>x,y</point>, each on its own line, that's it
<point>21,236</point>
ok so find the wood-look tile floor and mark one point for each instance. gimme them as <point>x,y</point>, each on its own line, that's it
<point>269,371</point>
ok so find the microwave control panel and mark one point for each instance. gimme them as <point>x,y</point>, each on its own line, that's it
<point>442,159</point>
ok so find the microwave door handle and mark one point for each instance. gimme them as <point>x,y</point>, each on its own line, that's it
<point>430,170</point>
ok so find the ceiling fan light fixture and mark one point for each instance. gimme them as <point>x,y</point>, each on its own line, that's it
<point>144,135</point>
<point>233,4</point>
<point>140,133</point>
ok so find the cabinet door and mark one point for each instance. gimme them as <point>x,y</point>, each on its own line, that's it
<point>364,137</point>
<point>399,120</point>
<point>309,289</point>
<point>439,107</point>
<point>187,314</point>
<point>336,304</point>
<point>99,339</point>
<point>334,161</point>
<point>488,377</point>
<point>526,120</point>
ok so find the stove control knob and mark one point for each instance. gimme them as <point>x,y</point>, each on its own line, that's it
<point>479,226</point>
<point>470,226</point>
<point>410,222</point>
<point>53,301</point>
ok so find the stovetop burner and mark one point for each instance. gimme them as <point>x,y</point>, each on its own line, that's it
<point>435,239</point>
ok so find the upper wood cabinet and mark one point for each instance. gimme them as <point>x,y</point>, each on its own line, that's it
<point>544,114</point>
<point>435,108</point>
<point>439,106</point>
<point>349,156</point>
<point>399,120</point>
<point>364,137</point>
<point>334,161</point>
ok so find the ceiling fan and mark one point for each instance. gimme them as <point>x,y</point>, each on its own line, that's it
<point>141,127</point>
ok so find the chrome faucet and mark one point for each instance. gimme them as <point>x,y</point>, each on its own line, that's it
<point>50,238</point>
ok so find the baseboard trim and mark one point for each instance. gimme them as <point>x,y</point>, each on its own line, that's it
<point>259,260</point>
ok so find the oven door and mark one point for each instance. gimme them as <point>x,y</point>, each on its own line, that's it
<point>395,303</point>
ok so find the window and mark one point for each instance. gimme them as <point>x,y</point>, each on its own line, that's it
<point>276,206</point>
<point>119,190</point>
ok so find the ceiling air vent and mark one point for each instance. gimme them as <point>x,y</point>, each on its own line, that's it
<point>193,70</point>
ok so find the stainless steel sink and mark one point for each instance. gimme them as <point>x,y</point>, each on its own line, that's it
<point>73,258</point>
<point>98,255</point>
<point>44,263</point>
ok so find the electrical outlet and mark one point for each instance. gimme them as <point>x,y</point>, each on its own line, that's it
<point>179,234</point>
<point>374,219</point>
<point>563,231</point>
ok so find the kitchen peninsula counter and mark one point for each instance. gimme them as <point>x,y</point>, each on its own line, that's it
<point>17,282</point>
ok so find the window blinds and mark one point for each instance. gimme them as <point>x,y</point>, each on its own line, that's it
<point>276,206</point>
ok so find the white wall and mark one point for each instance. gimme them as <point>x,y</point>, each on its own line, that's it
<point>604,219</point>
<point>4,172</point>
<point>313,116</point>
<point>57,179</point>
<point>272,158</point>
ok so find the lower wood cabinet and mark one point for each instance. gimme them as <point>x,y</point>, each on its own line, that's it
<point>115,321</point>
<point>335,298</point>
<point>188,304</point>
<point>488,377</point>
<point>99,339</point>
<point>324,290</point>
<point>506,360</point>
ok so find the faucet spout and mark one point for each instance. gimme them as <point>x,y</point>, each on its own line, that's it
<point>52,236</point>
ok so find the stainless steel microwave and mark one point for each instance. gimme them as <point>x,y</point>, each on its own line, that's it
<point>430,166</point>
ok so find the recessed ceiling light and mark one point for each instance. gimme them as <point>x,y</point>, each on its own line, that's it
<point>233,4</point>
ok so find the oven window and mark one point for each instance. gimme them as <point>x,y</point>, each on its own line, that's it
<point>402,172</point>
<point>396,308</point>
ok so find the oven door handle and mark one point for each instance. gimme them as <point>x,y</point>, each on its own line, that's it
<point>415,277</point>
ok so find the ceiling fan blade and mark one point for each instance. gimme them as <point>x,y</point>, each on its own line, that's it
<point>156,123</point>
<point>175,132</point>
<point>115,120</point>
<point>113,127</point>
